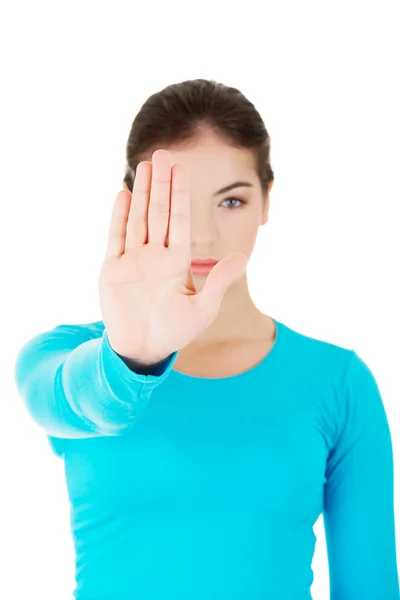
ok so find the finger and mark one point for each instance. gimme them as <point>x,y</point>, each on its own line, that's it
<point>117,229</point>
<point>220,278</point>
<point>159,204</point>
<point>179,223</point>
<point>136,234</point>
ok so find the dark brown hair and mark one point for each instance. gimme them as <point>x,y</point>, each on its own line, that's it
<point>180,111</point>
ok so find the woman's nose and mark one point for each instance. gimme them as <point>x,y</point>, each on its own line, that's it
<point>203,228</point>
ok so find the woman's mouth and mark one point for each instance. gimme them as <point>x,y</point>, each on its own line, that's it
<point>203,266</point>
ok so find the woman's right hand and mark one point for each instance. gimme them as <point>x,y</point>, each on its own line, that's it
<point>148,298</point>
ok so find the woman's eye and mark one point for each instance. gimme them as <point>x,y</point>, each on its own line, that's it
<point>237,200</point>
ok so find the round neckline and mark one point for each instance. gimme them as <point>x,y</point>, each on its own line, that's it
<point>267,360</point>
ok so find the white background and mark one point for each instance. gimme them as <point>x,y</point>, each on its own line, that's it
<point>324,77</point>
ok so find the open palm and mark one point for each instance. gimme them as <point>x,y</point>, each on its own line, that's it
<point>148,298</point>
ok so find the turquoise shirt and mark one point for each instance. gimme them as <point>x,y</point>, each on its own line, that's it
<point>190,488</point>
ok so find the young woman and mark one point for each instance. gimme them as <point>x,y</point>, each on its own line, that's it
<point>201,438</point>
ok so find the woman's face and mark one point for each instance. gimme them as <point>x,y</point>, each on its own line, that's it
<point>221,223</point>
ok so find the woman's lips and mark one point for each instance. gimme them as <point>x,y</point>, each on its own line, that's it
<point>202,268</point>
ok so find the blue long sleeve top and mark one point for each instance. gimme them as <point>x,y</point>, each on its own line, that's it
<point>190,488</point>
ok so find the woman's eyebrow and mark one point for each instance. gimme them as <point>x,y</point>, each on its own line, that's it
<point>233,185</point>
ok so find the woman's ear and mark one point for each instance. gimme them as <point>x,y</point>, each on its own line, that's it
<point>264,217</point>
<point>125,186</point>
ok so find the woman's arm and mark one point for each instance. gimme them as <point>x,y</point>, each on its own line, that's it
<point>75,386</point>
<point>359,495</point>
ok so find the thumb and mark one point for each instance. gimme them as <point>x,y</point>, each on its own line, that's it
<point>225,272</point>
